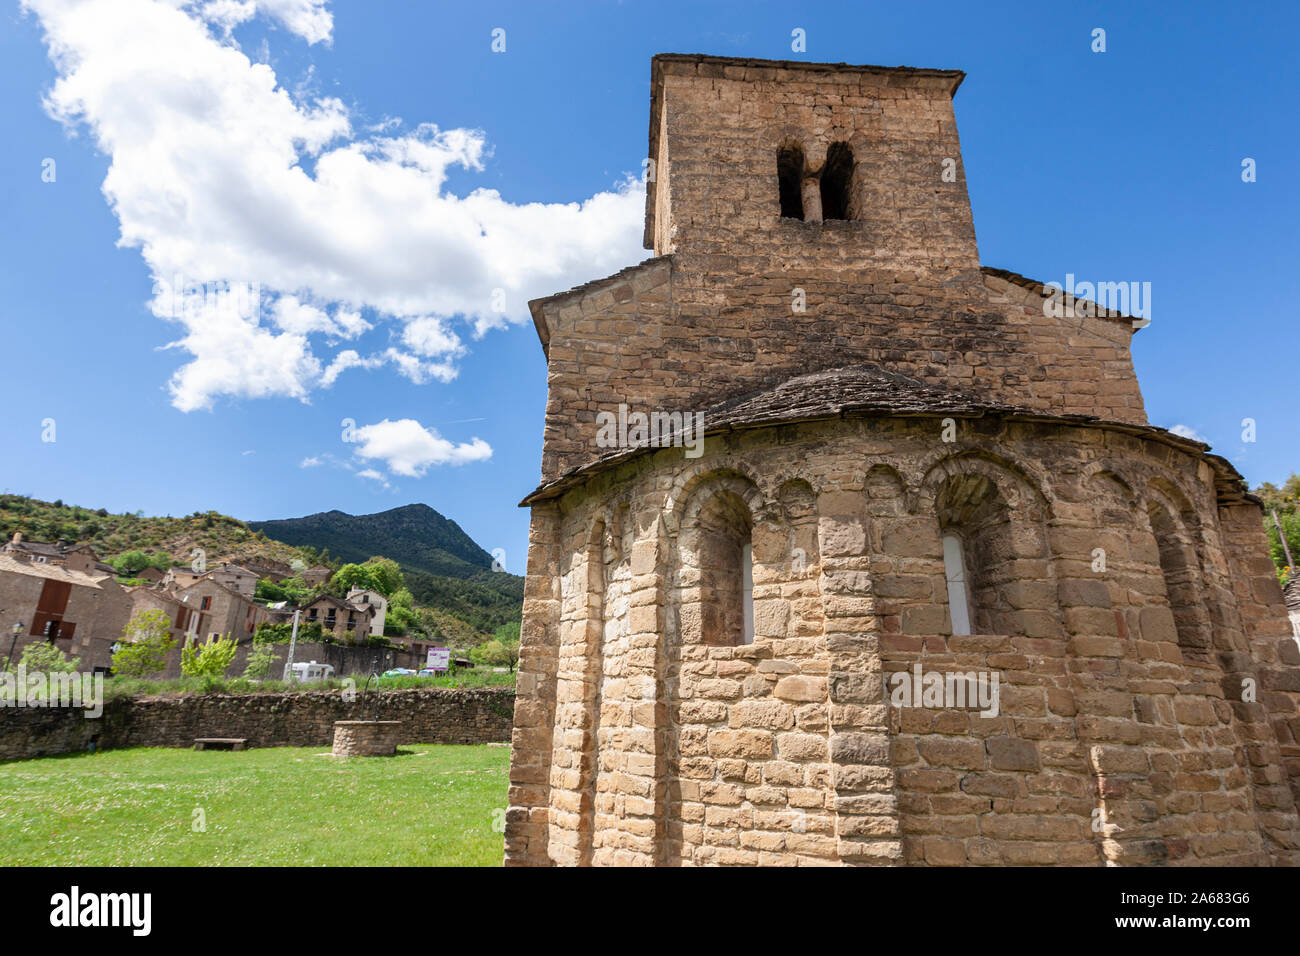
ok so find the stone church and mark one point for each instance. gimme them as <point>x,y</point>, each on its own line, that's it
<point>850,463</point>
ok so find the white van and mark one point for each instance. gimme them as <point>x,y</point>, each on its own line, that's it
<point>311,671</point>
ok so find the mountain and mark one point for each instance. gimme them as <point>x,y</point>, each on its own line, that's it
<point>415,536</point>
<point>221,537</point>
<point>444,567</point>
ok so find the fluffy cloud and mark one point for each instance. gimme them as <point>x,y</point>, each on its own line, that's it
<point>1186,431</point>
<point>408,448</point>
<point>218,174</point>
<point>307,18</point>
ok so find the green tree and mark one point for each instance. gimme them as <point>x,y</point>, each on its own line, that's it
<point>497,653</point>
<point>261,660</point>
<point>45,658</point>
<point>353,576</point>
<point>209,659</point>
<point>268,590</point>
<point>1290,525</point>
<point>1286,502</point>
<point>130,563</point>
<point>146,639</point>
<point>386,574</point>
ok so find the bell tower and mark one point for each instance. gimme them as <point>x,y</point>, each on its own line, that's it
<point>768,158</point>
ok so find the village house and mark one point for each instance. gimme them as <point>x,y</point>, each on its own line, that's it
<point>177,579</point>
<point>272,570</point>
<point>80,557</point>
<point>218,611</point>
<point>80,613</point>
<point>339,617</point>
<point>150,574</point>
<point>367,597</point>
<point>236,577</point>
<point>317,574</point>
<point>179,613</point>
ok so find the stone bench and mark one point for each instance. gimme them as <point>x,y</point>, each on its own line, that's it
<point>220,743</point>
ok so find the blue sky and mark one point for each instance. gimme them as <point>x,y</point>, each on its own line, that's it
<point>398,190</point>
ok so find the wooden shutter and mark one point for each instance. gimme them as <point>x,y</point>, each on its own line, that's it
<point>54,597</point>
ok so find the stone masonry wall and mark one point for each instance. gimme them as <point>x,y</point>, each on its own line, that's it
<point>442,716</point>
<point>1123,734</point>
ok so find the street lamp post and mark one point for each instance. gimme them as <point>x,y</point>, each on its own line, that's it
<point>17,629</point>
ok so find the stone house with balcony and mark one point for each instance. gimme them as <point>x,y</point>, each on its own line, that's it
<point>339,617</point>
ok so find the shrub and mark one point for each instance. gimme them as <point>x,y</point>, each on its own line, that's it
<point>261,660</point>
<point>47,659</point>
<point>146,639</point>
<point>207,660</point>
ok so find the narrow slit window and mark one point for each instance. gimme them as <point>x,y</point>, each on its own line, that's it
<point>747,591</point>
<point>837,182</point>
<point>789,172</point>
<point>954,566</point>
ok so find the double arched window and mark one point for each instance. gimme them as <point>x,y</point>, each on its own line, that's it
<point>816,197</point>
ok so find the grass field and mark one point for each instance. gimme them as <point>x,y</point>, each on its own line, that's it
<point>430,805</point>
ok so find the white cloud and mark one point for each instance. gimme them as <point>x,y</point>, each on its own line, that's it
<point>420,372</point>
<point>307,18</point>
<point>218,173</point>
<point>1186,431</point>
<point>348,358</point>
<point>236,356</point>
<point>429,336</point>
<point>310,462</point>
<point>408,448</point>
<point>291,315</point>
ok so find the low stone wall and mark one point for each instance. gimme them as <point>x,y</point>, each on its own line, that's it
<point>441,716</point>
<point>347,660</point>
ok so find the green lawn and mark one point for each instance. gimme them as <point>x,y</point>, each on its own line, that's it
<point>430,805</point>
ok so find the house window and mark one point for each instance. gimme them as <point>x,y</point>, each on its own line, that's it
<point>837,182</point>
<point>789,175</point>
<point>206,604</point>
<point>954,566</point>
